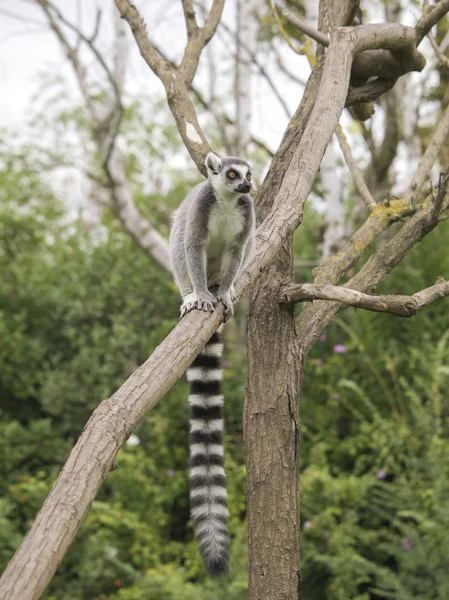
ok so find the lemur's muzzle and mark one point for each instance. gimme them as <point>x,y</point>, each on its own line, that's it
<point>244,188</point>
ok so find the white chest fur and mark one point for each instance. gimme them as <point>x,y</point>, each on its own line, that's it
<point>226,222</point>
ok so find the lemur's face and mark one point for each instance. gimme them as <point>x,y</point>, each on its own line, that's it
<point>229,175</point>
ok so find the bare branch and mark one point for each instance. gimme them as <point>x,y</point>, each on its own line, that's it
<point>384,214</point>
<point>428,160</point>
<point>90,44</point>
<point>73,57</point>
<point>177,81</point>
<point>121,203</point>
<point>400,306</point>
<point>315,318</point>
<point>262,71</point>
<point>368,92</point>
<point>355,171</point>
<point>305,27</point>
<point>431,18</point>
<point>189,15</point>
<point>97,26</point>
<point>200,37</point>
<point>224,116</point>
<point>442,58</point>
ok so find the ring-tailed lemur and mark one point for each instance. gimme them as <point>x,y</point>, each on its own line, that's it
<point>211,239</point>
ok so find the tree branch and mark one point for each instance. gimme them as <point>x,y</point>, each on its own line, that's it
<point>199,38</point>
<point>384,214</point>
<point>314,319</point>
<point>401,306</point>
<point>369,92</point>
<point>189,15</point>
<point>177,81</point>
<point>430,18</point>
<point>305,27</point>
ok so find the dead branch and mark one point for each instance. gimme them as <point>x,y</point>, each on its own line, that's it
<point>400,306</point>
<point>441,57</point>
<point>368,92</point>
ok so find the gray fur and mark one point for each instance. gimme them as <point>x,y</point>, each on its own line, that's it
<point>212,235</point>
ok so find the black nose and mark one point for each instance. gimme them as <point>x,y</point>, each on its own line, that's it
<point>244,187</point>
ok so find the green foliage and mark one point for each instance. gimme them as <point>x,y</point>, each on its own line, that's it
<point>375,480</point>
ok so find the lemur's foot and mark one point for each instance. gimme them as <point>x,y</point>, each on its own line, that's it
<point>203,301</point>
<point>227,297</point>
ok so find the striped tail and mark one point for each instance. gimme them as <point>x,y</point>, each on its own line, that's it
<point>208,497</point>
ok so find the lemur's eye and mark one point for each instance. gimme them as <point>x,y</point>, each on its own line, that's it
<point>232,175</point>
<point>248,177</point>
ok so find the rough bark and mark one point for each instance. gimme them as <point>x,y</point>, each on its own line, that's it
<point>272,438</point>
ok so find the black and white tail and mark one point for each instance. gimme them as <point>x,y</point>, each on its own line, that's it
<point>208,497</point>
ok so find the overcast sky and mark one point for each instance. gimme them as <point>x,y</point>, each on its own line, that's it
<point>28,47</point>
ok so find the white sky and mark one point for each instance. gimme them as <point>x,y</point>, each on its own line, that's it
<point>28,47</point>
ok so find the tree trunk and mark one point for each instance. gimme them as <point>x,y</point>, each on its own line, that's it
<point>272,439</point>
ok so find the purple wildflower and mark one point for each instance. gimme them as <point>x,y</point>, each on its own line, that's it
<point>323,337</point>
<point>171,473</point>
<point>339,349</point>
<point>381,474</point>
<point>406,544</point>
<point>307,525</point>
<point>225,363</point>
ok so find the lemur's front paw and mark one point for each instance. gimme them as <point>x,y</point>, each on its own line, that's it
<point>226,297</point>
<point>232,292</point>
<point>201,301</point>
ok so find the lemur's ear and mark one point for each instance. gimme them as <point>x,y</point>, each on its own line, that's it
<point>213,162</point>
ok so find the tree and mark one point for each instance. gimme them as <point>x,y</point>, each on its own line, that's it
<point>340,77</point>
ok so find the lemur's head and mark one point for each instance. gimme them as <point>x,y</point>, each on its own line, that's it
<point>229,176</point>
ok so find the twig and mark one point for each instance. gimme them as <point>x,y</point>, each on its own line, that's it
<point>355,171</point>
<point>442,58</point>
<point>400,306</point>
<point>440,198</point>
<point>430,155</point>
<point>258,142</point>
<point>262,71</point>
<point>89,42</point>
